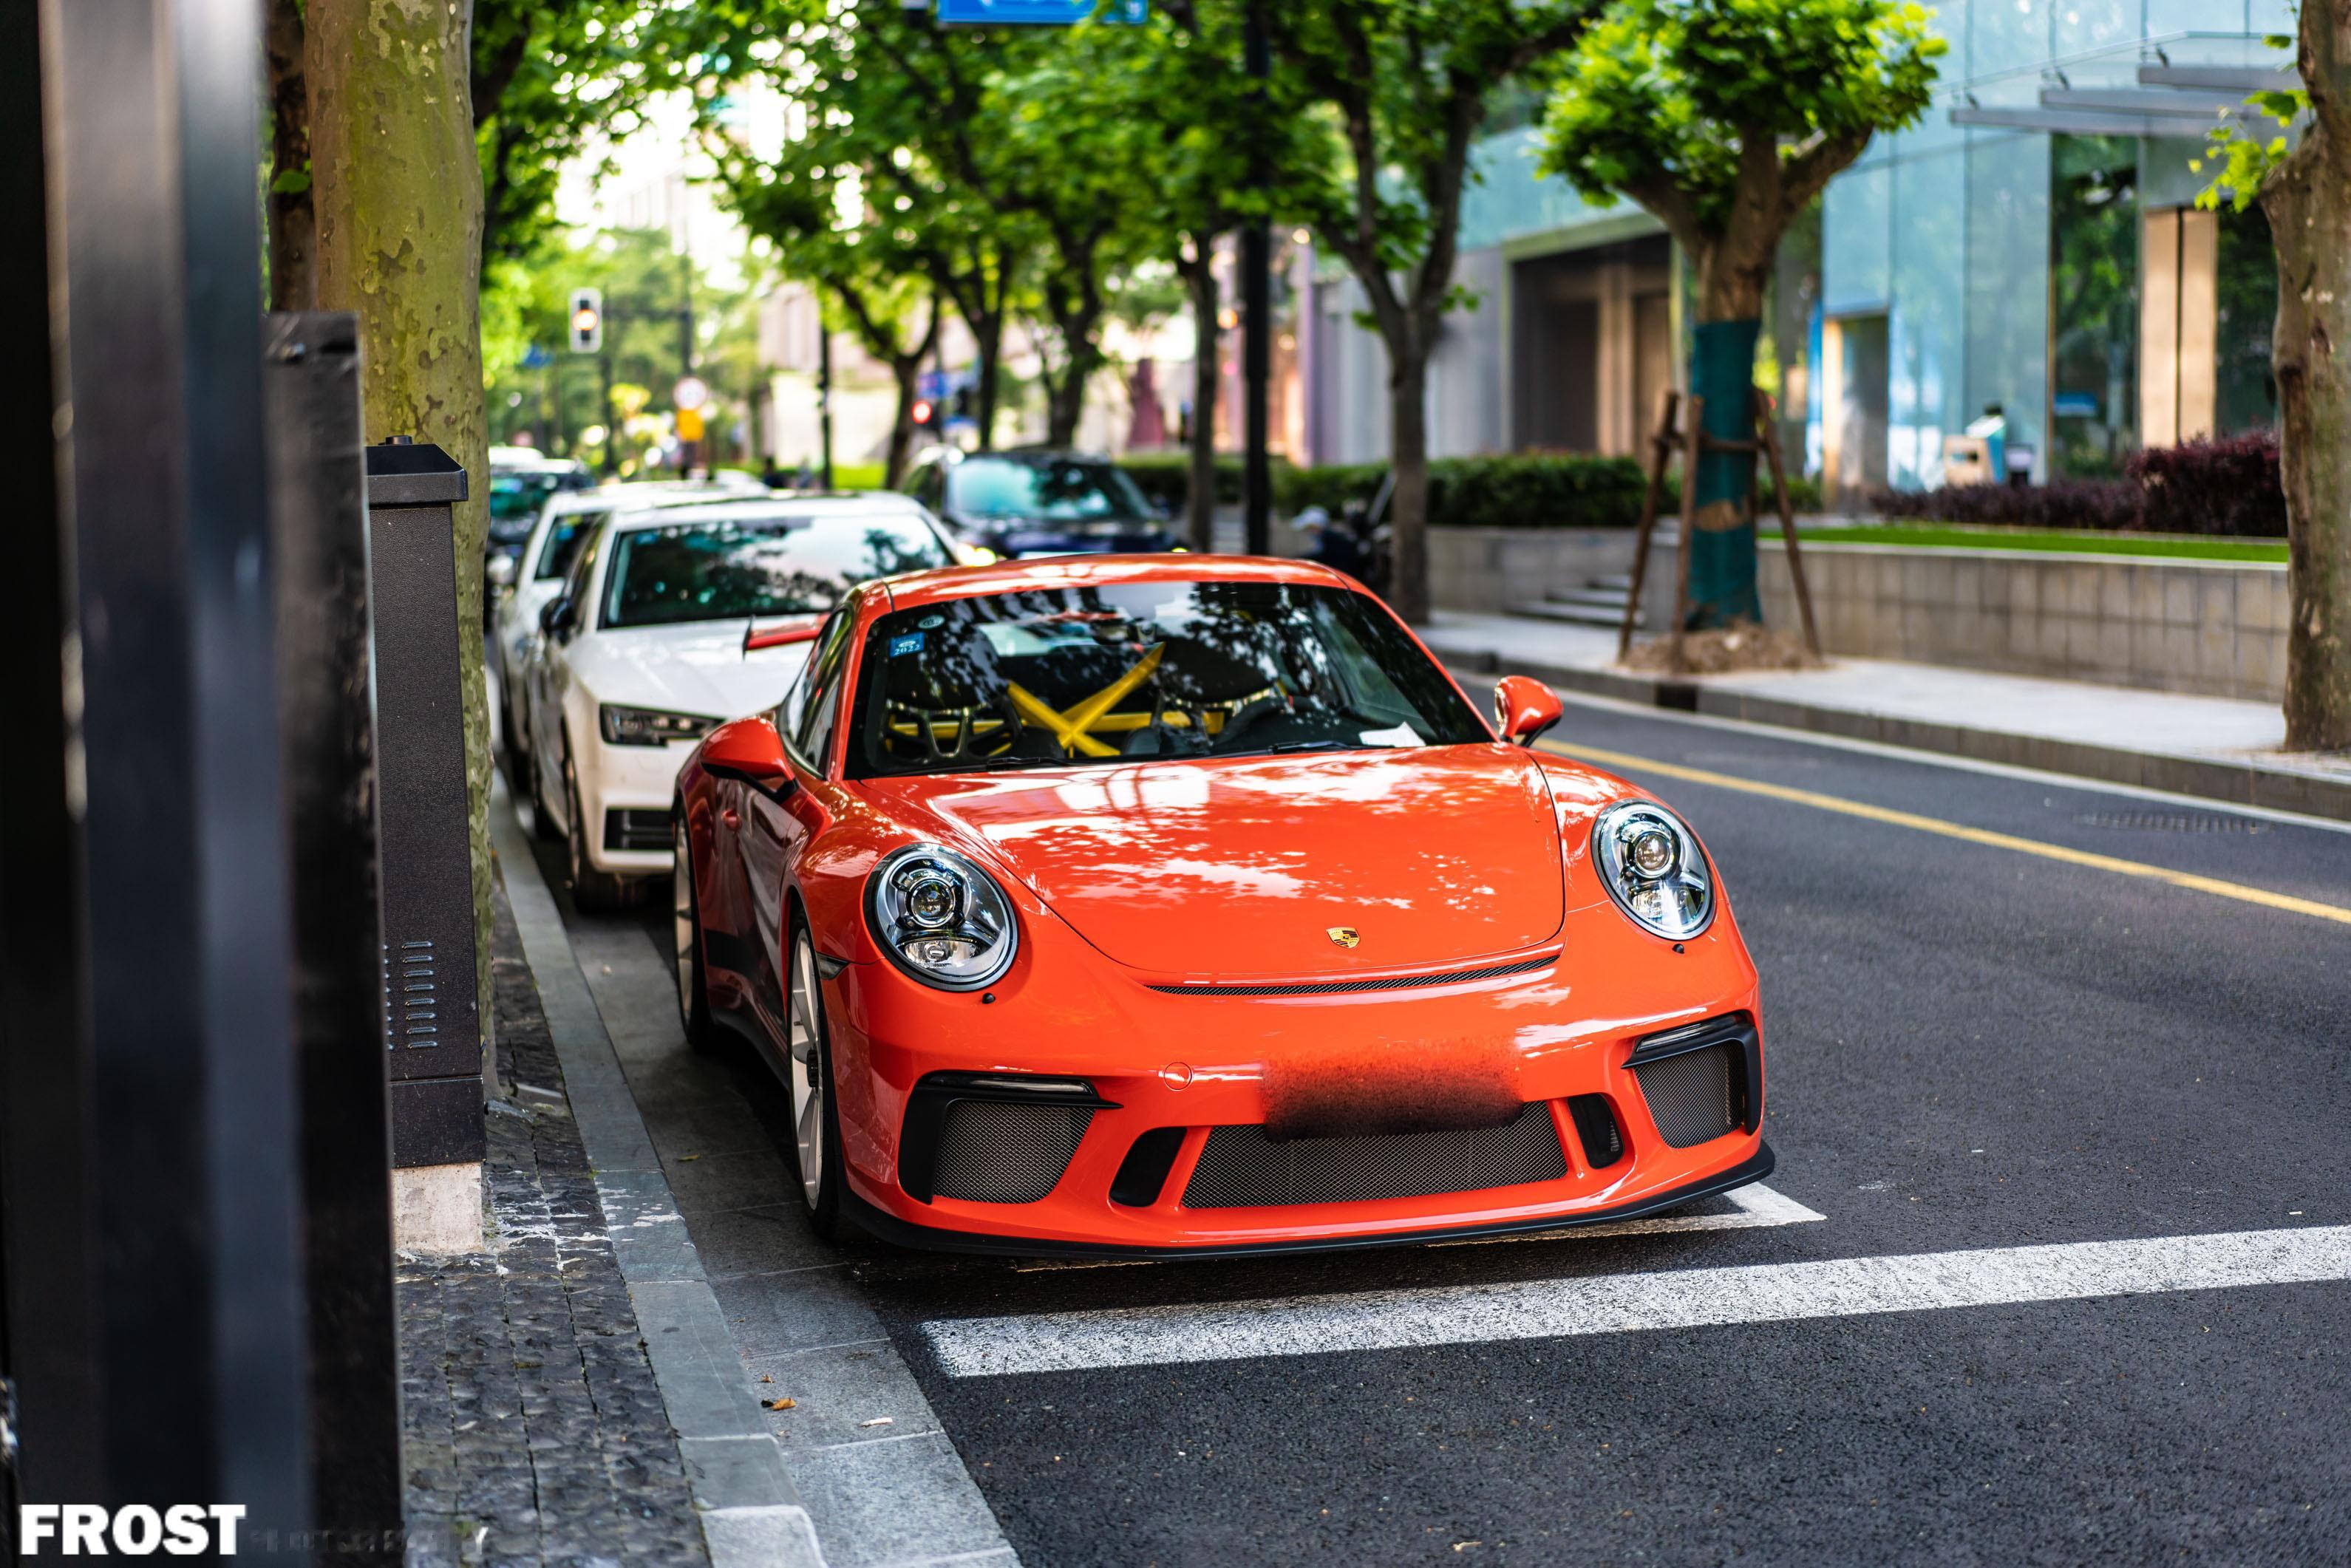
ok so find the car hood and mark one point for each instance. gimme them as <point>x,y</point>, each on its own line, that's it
<point>699,668</point>
<point>1216,869</point>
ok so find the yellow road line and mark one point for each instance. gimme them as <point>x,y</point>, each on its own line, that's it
<point>1842,806</point>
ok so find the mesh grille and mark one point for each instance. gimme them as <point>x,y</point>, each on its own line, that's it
<point>1691,1095</point>
<point>1242,1169</point>
<point>1385,983</point>
<point>993,1153</point>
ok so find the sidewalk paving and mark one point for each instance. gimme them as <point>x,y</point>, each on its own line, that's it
<point>535,1433</point>
<point>2216,748</point>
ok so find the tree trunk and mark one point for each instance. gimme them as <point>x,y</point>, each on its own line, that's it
<point>988,349</point>
<point>1065,398</point>
<point>398,194</point>
<point>293,231</point>
<point>1717,500</point>
<point>1200,499</point>
<point>1408,504</point>
<point>2308,202</point>
<point>906,369</point>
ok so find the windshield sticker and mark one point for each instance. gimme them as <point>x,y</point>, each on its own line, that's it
<point>912,642</point>
<point>931,622</point>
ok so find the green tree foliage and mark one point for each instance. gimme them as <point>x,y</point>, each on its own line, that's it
<point>1407,83</point>
<point>646,287</point>
<point>1724,118</point>
<point>549,76</point>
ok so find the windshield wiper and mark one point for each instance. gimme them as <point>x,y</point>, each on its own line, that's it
<point>1322,746</point>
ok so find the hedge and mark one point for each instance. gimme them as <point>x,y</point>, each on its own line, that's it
<point>1528,490</point>
<point>2228,486</point>
<point>1167,478</point>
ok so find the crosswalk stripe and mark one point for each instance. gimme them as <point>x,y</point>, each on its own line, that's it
<point>1693,1298</point>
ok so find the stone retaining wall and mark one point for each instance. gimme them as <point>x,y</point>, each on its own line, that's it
<point>2215,628</point>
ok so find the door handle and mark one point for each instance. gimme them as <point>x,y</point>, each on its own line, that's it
<point>731,817</point>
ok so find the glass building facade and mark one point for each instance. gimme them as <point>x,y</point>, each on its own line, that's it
<point>2032,244</point>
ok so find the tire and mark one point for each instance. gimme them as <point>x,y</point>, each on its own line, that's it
<point>593,892</point>
<point>816,1120</point>
<point>693,988</point>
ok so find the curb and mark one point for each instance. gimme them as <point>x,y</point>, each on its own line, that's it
<point>2205,778</point>
<point>751,1513</point>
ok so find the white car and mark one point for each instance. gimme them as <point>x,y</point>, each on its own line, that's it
<point>524,583</point>
<point>644,649</point>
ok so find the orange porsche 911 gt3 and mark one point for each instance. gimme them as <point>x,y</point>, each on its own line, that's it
<point>1177,906</point>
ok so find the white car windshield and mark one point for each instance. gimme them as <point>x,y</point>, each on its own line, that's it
<point>715,569</point>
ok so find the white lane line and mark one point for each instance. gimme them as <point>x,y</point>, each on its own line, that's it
<point>1756,1206</point>
<point>1692,1298</point>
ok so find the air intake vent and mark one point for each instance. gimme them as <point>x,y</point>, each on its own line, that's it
<point>991,1152</point>
<point>631,827</point>
<point>1242,1169</point>
<point>1596,1130</point>
<point>1693,1096</point>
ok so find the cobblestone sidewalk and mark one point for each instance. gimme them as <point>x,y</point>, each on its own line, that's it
<point>534,1434</point>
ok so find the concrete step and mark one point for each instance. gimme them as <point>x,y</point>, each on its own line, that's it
<point>1590,598</point>
<point>1619,584</point>
<point>1610,615</point>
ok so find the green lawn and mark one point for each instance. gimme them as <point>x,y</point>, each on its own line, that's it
<point>1939,535</point>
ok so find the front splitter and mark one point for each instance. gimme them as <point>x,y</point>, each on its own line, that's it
<point>937,1238</point>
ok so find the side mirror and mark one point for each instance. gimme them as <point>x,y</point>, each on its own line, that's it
<point>555,618</point>
<point>500,570</point>
<point>1524,708</point>
<point>746,748</point>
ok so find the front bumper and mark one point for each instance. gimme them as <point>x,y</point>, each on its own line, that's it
<point>639,780</point>
<point>1569,1029</point>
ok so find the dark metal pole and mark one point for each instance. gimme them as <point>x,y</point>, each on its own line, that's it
<point>611,421</point>
<point>50,1350</point>
<point>189,1093</point>
<point>1256,321</point>
<point>319,543</point>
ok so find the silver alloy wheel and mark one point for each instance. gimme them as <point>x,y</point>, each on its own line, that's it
<point>681,880</point>
<point>806,1076</point>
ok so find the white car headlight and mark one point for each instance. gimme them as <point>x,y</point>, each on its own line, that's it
<point>650,726</point>
<point>940,918</point>
<point>1653,869</point>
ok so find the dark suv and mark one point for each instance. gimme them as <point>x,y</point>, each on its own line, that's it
<point>1029,501</point>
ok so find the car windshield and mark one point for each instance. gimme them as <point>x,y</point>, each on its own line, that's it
<point>515,496</point>
<point>1060,489</point>
<point>1053,676</point>
<point>712,569</point>
<point>563,539</point>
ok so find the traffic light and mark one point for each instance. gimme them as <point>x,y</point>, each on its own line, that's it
<point>587,321</point>
<point>926,414</point>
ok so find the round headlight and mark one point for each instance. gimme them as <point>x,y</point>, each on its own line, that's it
<point>940,918</point>
<point>1653,869</point>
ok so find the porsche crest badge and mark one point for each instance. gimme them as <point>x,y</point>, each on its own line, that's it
<point>1344,935</point>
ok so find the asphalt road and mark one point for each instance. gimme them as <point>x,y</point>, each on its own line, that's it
<point>1970,1047</point>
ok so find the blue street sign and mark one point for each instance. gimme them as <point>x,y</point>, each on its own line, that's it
<point>535,358</point>
<point>1040,12</point>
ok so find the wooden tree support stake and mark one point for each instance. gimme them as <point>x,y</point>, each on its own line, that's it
<point>1787,521</point>
<point>1661,452</point>
<point>1691,439</point>
<point>1693,444</point>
